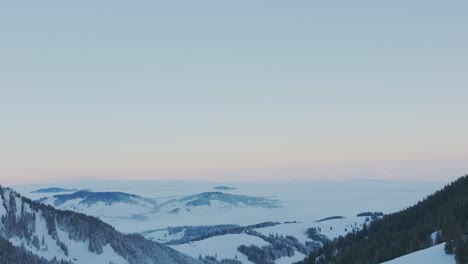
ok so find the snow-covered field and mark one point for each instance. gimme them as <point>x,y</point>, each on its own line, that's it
<point>224,246</point>
<point>330,228</point>
<point>299,206</point>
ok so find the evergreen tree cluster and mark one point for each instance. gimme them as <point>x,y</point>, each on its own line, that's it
<point>214,260</point>
<point>10,254</point>
<point>198,233</point>
<point>280,246</point>
<point>406,231</point>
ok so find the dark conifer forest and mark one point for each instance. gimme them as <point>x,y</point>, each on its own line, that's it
<point>406,231</point>
<point>19,255</point>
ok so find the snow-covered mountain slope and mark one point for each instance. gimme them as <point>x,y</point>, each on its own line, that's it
<point>11,254</point>
<point>432,255</point>
<point>330,229</point>
<point>226,245</point>
<point>74,237</point>
<point>225,240</point>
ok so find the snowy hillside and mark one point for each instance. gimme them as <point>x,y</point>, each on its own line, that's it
<point>432,255</point>
<point>54,234</point>
<point>438,218</point>
<point>224,246</point>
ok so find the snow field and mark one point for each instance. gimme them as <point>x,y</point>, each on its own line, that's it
<point>432,255</point>
<point>224,246</point>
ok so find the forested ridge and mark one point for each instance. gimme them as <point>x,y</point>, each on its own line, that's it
<point>19,255</point>
<point>406,231</point>
<point>18,220</point>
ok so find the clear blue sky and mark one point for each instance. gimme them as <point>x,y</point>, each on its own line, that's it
<point>102,88</point>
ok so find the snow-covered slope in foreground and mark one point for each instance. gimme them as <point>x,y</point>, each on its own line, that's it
<point>77,238</point>
<point>432,255</point>
<point>24,225</point>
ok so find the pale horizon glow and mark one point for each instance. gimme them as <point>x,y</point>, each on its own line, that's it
<point>201,90</point>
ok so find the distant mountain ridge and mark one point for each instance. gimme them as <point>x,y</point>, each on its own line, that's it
<point>54,190</point>
<point>89,198</point>
<point>207,198</point>
<point>224,188</point>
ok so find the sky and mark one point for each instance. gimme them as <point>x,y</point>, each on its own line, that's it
<point>182,89</point>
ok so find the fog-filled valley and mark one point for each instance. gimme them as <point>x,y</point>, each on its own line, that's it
<point>209,221</point>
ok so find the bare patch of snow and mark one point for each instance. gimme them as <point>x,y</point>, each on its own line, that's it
<point>432,255</point>
<point>224,246</point>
